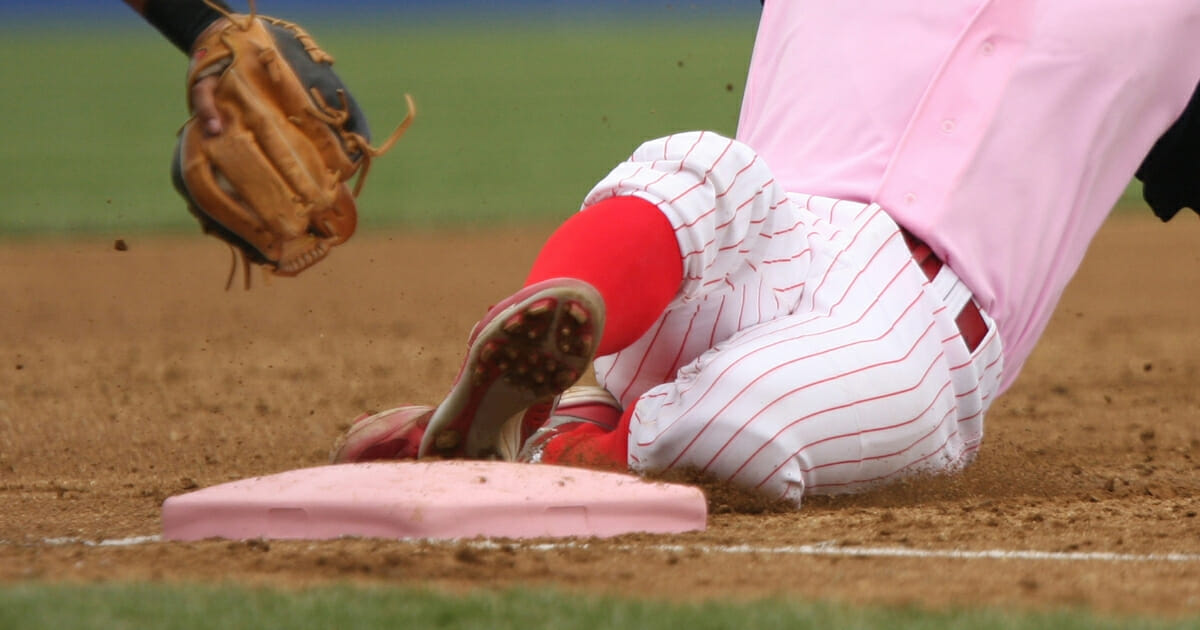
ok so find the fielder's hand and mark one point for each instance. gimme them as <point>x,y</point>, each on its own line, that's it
<point>204,105</point>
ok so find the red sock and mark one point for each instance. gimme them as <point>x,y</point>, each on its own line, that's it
<point>626,248</point>
<point>591,446</point>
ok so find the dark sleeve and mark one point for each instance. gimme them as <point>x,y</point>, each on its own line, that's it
<point>1170,174</point>
<point>181,21</point>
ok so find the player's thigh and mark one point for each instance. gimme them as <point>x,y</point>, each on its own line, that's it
<point>812,402</point>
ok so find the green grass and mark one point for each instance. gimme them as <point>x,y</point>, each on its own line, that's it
<point>113,607</point>
<point>515,122</point>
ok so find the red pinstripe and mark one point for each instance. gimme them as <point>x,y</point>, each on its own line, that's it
<point>684,342</point>
<point>792,258</point>
<point>786,230</point>
<point>758,300</point>
<point>788,288</point>
<point>860,212</point>
<point>992,364</point>
<point>721,226</point>
<point>971,449</point>
<point>738,209</point>
<point>646,187</point>
<point>949,340</point>
<point>653,395</point>
<point>621,183</point>
<point>892,474</point>
<point>742,311</point>
<point>736,176</point>
<point>662,325</point>
<point>799,359</point>
<point>946,416</point>
<point>703,179</point>
<point>857,434</point>
<point>838,257</point>
<point>833,210</point>
<point>970,417</point>
<point>700,185</point>
<point>703,248</point>
<point>712,335</point>
<point>713,240</point>
<point>822,381</point>
<point>816,315</point>
<point>834,306</point>
<point>687,154</point>
<point>969,392</point>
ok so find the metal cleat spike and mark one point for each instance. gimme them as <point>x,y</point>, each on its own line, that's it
<point>514,324</point>
<point>578,312</point>
<point>541,307</point>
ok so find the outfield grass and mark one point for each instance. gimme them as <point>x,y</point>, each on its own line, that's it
<point>111,607</point>
<point>515,121</point>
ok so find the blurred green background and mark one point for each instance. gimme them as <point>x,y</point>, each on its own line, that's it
<point>516,120</point>
<point>517,117</point>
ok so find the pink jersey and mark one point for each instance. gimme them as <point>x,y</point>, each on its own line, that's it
<point>1086,86</point>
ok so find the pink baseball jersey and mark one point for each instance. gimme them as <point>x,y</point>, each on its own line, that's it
<point>999,131</point>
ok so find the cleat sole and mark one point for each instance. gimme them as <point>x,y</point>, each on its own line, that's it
<point>524,353</point>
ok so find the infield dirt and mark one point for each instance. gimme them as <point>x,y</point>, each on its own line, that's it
<point>128,374</point>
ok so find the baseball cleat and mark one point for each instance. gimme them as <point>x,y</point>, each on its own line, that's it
<point>584,404</point>
<point>524,352</point>
<point>392,434</point>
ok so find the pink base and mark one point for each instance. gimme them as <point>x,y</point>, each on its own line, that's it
<point>434,500</point>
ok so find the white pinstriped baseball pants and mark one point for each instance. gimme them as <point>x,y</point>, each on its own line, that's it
<point>806,351</point>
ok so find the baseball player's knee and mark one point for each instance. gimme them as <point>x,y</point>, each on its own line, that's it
<point>769,473</point>
<point>707,149</point>
<point>724,445</point>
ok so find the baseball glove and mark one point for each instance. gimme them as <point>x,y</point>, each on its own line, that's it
<point>274,184</point>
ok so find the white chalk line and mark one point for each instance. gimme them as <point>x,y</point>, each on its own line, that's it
<point>828,549</point>
<point>112,542</point>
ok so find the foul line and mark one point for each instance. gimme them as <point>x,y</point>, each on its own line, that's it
<point>831,549</point>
